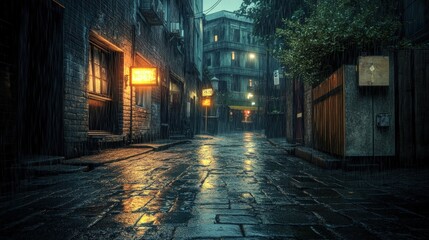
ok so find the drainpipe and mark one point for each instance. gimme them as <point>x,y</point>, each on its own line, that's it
<point>133,54</point>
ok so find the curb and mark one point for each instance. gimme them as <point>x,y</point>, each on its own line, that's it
<point>310,155</point>
<point>290,150</point>
<point>168,145</point>
<point>319,160</point>
<point>93,164</point>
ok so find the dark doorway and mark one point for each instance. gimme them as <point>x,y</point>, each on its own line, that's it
<point>164,111</point>
<point>40,85</point>
<point>176,95</point>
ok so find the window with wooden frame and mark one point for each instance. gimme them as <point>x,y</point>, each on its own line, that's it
<point>143,95</point>
<point>100,98</point>
<point>99,82</point>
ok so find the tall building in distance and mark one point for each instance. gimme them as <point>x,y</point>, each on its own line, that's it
<point>235,58</point>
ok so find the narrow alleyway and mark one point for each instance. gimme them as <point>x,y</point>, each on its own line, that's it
<point>235,186</point>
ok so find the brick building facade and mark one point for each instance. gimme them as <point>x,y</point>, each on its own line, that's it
<point>66,73</point>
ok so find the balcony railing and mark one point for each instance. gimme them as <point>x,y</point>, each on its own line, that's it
<point>153,11</point>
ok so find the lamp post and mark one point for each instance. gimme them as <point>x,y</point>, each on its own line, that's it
<point>215,86</point>
<point>215,83</point>
<point>253,56</point>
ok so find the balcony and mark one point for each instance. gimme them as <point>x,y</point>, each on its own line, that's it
<point>241,99</point>
<point>152,11</point>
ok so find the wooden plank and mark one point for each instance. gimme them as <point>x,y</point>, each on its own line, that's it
<point>328,117</point>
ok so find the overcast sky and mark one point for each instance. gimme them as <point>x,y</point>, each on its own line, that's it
<point>230,5</point>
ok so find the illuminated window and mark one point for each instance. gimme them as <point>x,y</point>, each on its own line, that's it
<point>235,59</point>
<point>102,65</point>
<point>216,38</point>
<point>143,94</point>
<point>143,98</point>
<point>99,81</point>
<point>250,83</point>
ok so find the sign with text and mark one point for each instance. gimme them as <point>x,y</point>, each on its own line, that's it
<point>144,76</point>
<point>207,92</point>
<point>276,75</point>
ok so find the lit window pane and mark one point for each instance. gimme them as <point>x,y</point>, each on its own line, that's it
<point>97,71</point>
<point>103,73</point>
<point>96,57</point>
<point>90,78</point>
<point>97,85</point>
<point>90,84</point>
<point>104,88</point>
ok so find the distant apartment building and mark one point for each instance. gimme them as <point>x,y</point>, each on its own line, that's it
<point>235,57</point>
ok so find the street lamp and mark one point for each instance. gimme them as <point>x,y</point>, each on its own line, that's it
<point>215,83</point>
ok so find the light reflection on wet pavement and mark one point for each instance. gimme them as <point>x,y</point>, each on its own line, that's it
<point>232,186</point>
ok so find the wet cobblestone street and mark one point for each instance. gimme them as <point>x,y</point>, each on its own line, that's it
<point>235,186</point>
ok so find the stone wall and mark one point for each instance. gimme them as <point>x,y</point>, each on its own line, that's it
<point>362,105</point>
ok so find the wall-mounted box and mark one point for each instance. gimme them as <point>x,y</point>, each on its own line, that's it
<point>374,71</point>
<point>383,120</point>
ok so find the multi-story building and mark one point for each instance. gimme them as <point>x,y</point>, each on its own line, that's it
<point>235,57</point>
<point>66,81</point>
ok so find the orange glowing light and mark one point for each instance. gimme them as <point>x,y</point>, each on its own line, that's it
<point>206,102</point>
<point>147,76</point>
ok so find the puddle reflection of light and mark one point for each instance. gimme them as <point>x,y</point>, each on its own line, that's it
<point>148,219</point>
<point>135,203</point>
<point>248,165</point>
<point>206,158</point>
<point>205,153</point>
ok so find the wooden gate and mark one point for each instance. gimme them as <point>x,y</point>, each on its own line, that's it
<point>328,114</point>
<point>412,106</point>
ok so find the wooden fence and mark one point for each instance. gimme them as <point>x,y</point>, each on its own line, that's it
<point>328,115</point>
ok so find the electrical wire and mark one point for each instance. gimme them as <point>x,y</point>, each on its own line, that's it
<point>212,7</point>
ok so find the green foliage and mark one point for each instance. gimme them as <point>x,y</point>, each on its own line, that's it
<point>334,27</point>
<point>267,16</point>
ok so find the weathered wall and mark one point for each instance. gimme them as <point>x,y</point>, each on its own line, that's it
<point>362,104</point>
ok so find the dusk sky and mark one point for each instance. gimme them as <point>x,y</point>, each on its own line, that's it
<point>230,5</point>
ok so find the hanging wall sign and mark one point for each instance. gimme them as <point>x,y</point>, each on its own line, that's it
<point>374,71</point>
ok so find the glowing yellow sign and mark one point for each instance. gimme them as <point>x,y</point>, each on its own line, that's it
<point>147,76</point>
<point>206,102</point>
<point>207,92</point>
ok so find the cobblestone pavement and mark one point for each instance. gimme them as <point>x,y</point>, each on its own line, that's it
<point>237,186</point>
